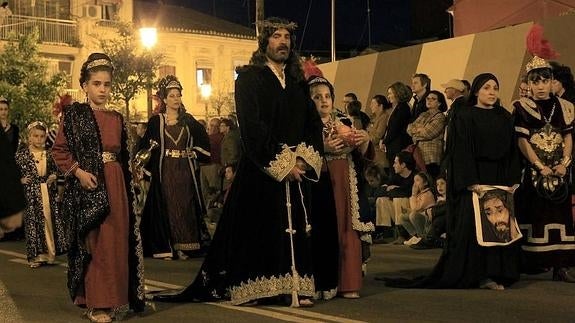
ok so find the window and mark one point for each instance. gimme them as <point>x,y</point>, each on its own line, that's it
<point>203,77</point>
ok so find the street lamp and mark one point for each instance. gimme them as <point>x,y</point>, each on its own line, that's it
<point>149,38</point>
<point>206,92</point>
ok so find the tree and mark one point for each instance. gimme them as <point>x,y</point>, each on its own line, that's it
<point>26,81</point>
<point>134,67</point>
<point>223,103</point>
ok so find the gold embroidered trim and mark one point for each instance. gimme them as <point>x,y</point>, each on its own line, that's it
<point>311,156</point>
<point>568,111</point>
<point>263,287</point>
<point>187,246</point>
<point>530,107</point>
<point>522,130</point>
<point>354,201</point>
<point>280,167</point>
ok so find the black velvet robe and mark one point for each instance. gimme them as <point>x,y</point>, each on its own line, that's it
<point>12,198</point>
<point>250,256</point>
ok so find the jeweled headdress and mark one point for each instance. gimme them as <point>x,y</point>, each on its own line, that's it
<point>168,82</point>
<point>540,48</point>
<point>99,62</point>
<point>4,100</point>
<point>36,124</point>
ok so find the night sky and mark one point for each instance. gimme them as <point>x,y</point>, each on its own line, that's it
<point>394,23</point>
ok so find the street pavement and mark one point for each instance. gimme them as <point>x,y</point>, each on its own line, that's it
<point>40,295</point>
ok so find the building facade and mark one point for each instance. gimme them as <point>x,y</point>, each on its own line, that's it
<point>202,51</point>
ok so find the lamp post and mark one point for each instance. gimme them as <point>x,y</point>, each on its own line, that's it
<point>206,92</point>
<point>149,38</point>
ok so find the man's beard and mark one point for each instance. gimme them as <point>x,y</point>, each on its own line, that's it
<point>502,231</point>
<point>275,56</point>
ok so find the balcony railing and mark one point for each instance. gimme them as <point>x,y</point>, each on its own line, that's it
<point>52,31</point>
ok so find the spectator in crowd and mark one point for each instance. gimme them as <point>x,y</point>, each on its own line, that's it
<point>44,227</point>
<point>524,91</point>
<point>394,198</point>
<point>360,119</point>
<point>381,110</point>
<point>562,84</point>
<point>105,266</point>
<point>173,217</point>
<point>427,131</point>
<point>467,88</point>
<point>437,215</point>
<point>396,137</point>
<point>543,201</point>
<point>5,12</point>
<point>210,173</point>
<point>420,86</point>
<point>347,98</point>
<point>231,146</point>
<point>422,199</point>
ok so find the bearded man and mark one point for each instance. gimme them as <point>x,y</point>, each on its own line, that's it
<point>261,245</point>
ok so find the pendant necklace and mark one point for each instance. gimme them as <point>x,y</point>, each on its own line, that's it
<point>547,128</point>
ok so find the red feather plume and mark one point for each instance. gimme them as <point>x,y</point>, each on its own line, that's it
<point>310,68</point>
<point>539,46</point>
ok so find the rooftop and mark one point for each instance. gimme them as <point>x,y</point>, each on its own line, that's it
<point>184,20</point>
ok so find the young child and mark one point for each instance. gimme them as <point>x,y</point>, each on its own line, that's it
<point>44,230</point>
<point>422,198</point>
<point>436,214</point>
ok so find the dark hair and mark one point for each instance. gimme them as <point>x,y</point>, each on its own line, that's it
<point>351,95</point>
<point>440,99</point>
<point>39,126</point>
<point>467,85</point>
<point>354,108</point>
<point>231,165</point>
<point>426,177</point>
<point>4,4</point>
<point>478,83</point>
<point>86,70</point>
<point>497,194</point>
<point>424,79</point>
<point>401,91</point>
<point>372,171</point>
<point>229,123</point>
<point>382,100</point>
<point>5,101</point>
<point>293,62</point>
<point>539,74</point>
<point>563,74</point>
<point>442,176</point>
<point>406,158</point>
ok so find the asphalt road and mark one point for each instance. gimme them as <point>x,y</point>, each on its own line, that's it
<point>40,295</point>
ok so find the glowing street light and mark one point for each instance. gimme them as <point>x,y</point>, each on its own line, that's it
<point>206,92</point>
<point>149,37</point>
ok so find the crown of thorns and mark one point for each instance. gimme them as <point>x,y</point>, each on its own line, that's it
<point>276,25</point>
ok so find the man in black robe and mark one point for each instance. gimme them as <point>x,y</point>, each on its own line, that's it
<point>261,245</point>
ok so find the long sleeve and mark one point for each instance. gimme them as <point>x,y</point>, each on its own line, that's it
<point>398,121</point>
<point>201,145</point>
<point>421,201</point>
<point>428,129</point>
<point>464,168</point>
<point>61,153</point>
<point>260,145</point>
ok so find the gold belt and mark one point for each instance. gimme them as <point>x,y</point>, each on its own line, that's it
<point>109,157</point>
<point>174,153</point>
